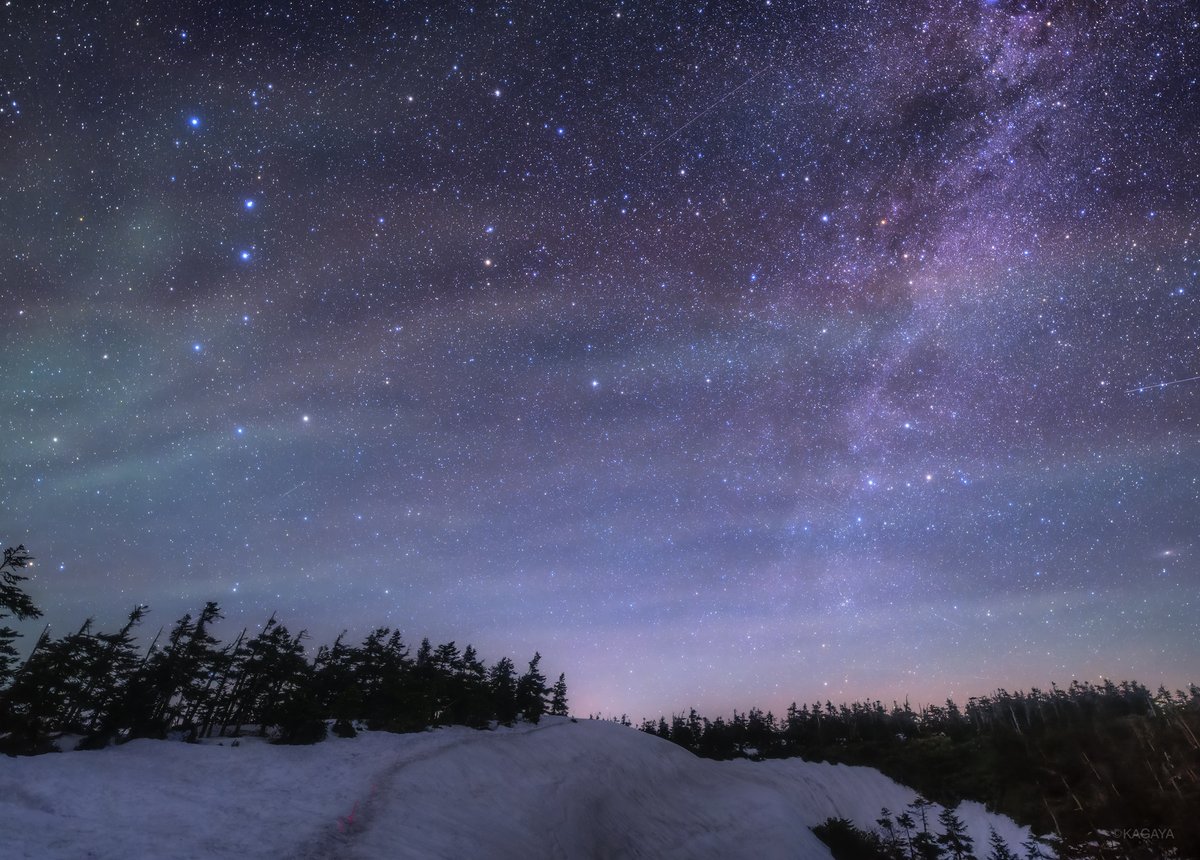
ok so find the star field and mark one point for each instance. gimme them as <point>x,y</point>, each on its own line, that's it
<point>728,354</point>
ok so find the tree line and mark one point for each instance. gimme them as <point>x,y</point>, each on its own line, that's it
<point>106,687</point>
<point>912,835</point>
<point>1096,765</point>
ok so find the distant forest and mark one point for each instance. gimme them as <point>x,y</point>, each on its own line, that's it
<point>1110,770</point>
<point>107,688</point>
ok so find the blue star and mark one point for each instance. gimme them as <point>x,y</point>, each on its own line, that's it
<point>197,347</point>
<point>245,255</point>
<point>249,203</point>
<point>194,122</point>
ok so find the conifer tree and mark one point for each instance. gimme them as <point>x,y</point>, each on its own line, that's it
<point>13,602</point>
<point>218,706</point>
<point>473,707</point>
<point>887,832</point>
<point>176,681</point>
<point>558,698</point>
<point>1034,849</point>
<point>335,688</point>
<point>109,678</point>
<point>956,844</point>
<point>923,843</point>
<point>531,691</point>
<point>70,666</point>
<point>271,666</point>
<point>999,848</point>
<point>44,694</point>
<point>906,824</point>
<point>421,699</point>
<point>294,705</point>
<point>502,681</point>
<point>384,673</point>
<point>445,684</point>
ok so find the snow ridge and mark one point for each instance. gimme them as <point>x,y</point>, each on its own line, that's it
<point>562,789</point>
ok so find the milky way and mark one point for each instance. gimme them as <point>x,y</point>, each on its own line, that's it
<point>727,354</point>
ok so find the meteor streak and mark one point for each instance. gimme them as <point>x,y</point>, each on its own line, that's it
<point>1142,388</point>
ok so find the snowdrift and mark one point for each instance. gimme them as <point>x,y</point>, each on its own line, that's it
<point>560,789</point>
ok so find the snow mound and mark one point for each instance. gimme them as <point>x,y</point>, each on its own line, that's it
<point>559,789</point>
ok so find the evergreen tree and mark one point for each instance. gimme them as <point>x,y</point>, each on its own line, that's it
<point>46,692</point>
<point>999,848</point>
<point>268,672</point>
<point>473,707</point>
<point>1034,849</point>
<point>531,691</point>
<point>334,685</point>
<point>908,826</point>
<point>558,697</point>
<point>421,701</point>
<point>176,682</point>
<point>13,602</point>
<point>847,842</point>
<point>296,708</point>
<point>502,682</point>
<point>888,836</point>
<point>108,679</point>
<point>384,673</point>
<point>71,664</point>
<point>446,684</point>
<point>955,842</point>
<point>924,845</point>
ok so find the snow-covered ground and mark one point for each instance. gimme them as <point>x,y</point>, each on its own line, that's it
<point>559,789</point>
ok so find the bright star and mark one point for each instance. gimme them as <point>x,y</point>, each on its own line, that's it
<point>249,203</point>
<point>245,255</point>
<point>194,122</point>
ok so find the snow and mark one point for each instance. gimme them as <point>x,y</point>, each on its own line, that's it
<point>558,789</point>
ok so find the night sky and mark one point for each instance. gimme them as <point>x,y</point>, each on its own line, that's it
<point>726,354</point>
